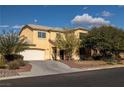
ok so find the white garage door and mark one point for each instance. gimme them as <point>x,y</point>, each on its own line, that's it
<point>33,54</point>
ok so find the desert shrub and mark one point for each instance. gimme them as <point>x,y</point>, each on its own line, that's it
<point>13,57</point>
<point>119,62</point>
<point>85,57</point>
<point>2,62</point>
<point>118,58</point>
<point>13,65</point>
<point>21,63</point>
<point>112,58</point>
<point>109,60</point>
<point>2,65</point>
<point>111,63</point>
<point>97,57</point>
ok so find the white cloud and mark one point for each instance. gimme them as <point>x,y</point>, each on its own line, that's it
<point>4,26</point>
<point>17,26</point>
<point>89,20</point>
<point>84,8</point>
<point>106,14</point>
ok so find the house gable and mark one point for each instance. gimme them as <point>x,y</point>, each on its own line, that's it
<point>28,33</point>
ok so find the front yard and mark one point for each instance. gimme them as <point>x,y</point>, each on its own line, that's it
<point>11,62</point>
<point>41,68</point>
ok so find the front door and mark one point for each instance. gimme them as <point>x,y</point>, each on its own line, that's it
<point>62,54</point>
<point>54,53</point>
<point>82,53</point>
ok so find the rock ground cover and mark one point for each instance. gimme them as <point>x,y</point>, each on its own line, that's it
<point>88,64</point>
<point>8,72</point>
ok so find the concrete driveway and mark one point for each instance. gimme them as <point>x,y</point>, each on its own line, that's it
<point>40,68</point>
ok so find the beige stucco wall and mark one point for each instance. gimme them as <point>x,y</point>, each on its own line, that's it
<point>27,33</point>
<point>41,42</point>
<point>44,43</point>
<point>53,35</point>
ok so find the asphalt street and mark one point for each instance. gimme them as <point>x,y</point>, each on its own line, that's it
<point>100,78</point>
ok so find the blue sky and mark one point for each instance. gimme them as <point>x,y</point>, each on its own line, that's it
<point>61,16</point>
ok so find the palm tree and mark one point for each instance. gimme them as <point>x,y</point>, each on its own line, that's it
<point>12,44</point>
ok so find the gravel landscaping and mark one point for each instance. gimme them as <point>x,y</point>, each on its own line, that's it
<point>26,68</point>
<point>87,64</point>
<point>7,73</point>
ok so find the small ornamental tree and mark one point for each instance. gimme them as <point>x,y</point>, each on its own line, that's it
<point>68,42</point>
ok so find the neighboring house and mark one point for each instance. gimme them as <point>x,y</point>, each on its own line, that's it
<point>43,39</point>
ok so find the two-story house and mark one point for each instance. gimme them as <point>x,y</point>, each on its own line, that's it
<point>43,37</point>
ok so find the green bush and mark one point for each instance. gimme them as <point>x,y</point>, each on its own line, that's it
<point>13,65</point>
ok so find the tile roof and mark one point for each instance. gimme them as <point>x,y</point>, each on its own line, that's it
<point>40,27</point>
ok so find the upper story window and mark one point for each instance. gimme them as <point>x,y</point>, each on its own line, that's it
<point>41,35</point>
<point>81,35</point>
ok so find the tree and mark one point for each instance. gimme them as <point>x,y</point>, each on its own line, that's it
<point>107,39</point>
<point>68,42</point>
<point>12,44</point>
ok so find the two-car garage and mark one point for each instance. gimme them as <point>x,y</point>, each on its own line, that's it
<point>33,54</point>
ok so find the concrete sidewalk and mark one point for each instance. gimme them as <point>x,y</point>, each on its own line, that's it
<point>53,67</point>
